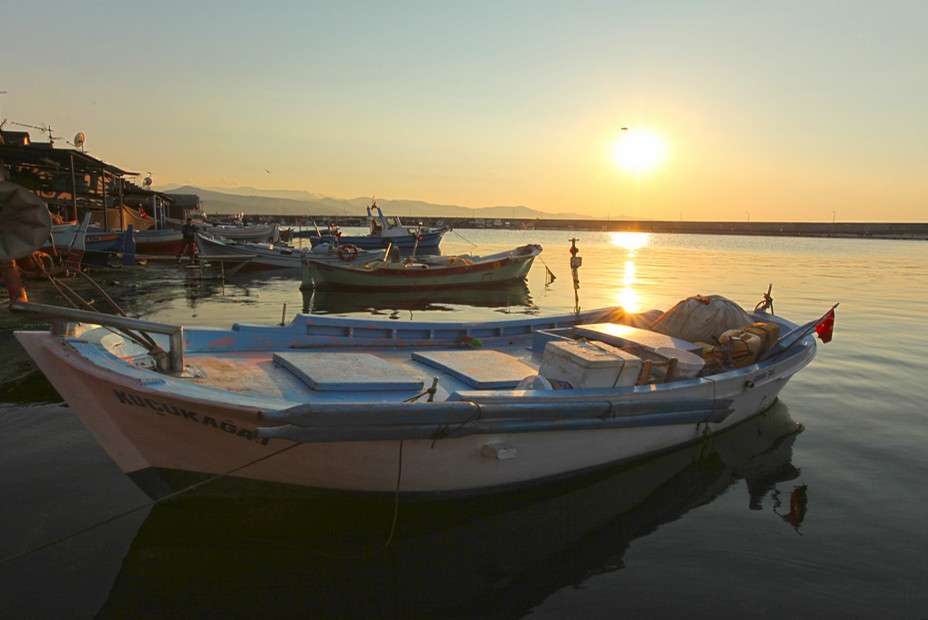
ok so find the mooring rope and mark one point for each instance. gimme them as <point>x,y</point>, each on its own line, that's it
<point>149,504</point>
<point>386,544</point>
<point>463,237</point>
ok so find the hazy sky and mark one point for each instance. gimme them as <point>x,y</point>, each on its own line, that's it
<point>804,110</point>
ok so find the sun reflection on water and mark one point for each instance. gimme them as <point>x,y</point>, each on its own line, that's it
<point>627,296</point>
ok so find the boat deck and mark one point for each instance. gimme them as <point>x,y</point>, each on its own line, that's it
<point>396,375</point>
<point>273,368</point>
<point>365,371</point>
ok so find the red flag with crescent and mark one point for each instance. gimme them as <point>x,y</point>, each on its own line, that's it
<point>826,327</point>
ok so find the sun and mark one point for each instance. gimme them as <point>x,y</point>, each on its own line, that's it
<point>639,150</point>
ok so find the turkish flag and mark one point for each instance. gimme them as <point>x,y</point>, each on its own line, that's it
<point>826,327</point>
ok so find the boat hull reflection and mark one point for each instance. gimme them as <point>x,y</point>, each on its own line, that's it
<point>329,555</point>
<point>321,301</point>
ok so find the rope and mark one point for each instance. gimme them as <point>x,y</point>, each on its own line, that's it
<point>386,544</point>
<point>767,302</point>
<point>463,237</point>
<point>99,288</point>
<point>430,391</point>
<point>446,431</point>
<point>154,502</point>
<point>74,298</point>
<point>550,274</point>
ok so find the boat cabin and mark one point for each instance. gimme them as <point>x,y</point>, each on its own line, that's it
<point>385,225</point>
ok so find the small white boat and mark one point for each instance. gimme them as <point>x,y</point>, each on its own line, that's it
<point>244,232</point>
<point>277,255</point>
<point>418,408</point>
<point>425,272</point>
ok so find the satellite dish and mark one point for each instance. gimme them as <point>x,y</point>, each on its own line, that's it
<point>147,181</point>
<point>26,222</point>
<point>79,139</point>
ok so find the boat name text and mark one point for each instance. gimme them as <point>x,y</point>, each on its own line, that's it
<point>163,409</point>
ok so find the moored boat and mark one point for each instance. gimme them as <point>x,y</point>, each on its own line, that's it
<point>244,232</point>
<point>277,256</point>
<point>424,273</point>
<point>385,231</point>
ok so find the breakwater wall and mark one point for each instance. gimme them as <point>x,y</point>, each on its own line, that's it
<point>790,229</point>
<point>860,230</point>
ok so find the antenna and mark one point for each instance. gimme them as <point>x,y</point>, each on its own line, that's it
<point>47,129</point>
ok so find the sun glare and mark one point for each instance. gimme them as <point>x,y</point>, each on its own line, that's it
<point>638,151</point>
<point>630,240</point>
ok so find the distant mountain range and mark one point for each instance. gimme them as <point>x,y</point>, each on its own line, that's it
<point>255,201</point>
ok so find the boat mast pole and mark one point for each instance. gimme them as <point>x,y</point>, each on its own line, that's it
<point>575,262</point>
<point>418,237</point>
<point>73,188</point>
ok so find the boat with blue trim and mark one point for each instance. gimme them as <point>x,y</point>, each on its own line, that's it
<point>373,406</point>
<point>385,231</point>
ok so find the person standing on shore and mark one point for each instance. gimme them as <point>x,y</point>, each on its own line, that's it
<point>189,244</point>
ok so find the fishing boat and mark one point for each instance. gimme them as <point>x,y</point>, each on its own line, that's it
<point>385,230</point>
<point>278,256</point>
<point>424,272</point>
<point>424,409</point>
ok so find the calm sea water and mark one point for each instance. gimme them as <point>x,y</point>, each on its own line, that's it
<point>765,522</point>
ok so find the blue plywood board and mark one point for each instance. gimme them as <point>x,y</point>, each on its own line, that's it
<point>346,371</point>
<point>479,369</point>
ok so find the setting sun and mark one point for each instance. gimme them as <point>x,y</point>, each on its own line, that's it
<point>638,150</point>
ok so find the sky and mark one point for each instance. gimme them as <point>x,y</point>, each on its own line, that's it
<point>794,110</point>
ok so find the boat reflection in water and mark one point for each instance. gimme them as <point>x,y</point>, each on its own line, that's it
<point>497,556</point>
<point>509,299</point>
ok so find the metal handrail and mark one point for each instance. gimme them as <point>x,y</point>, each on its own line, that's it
<point>175,354</point>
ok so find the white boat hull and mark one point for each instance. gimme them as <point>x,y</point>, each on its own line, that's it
<point>256,232</point>
<point>272,256</point>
